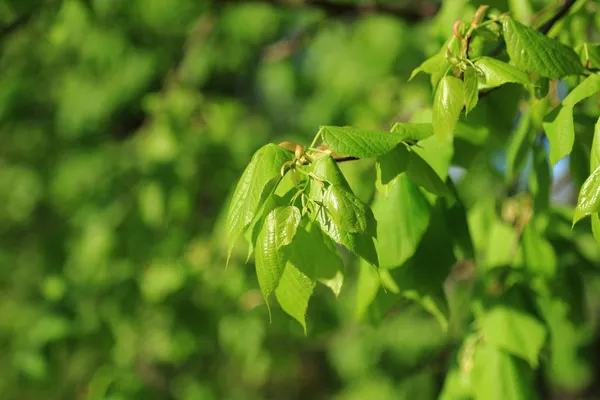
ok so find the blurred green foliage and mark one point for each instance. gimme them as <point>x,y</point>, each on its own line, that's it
<point>123,126</point>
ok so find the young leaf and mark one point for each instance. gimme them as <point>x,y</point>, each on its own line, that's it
<point>431,65</point>
<point>496,73</point>
<point>367,287</point>
<point>255,184</point>
<point>402,218</point>
<point>293,293</point>
<point>470,85</point>
<point>277,231</point>
<point>347,211</point>
<point>514,331</point>
<point>521,9</point>
<point>497,375</point>
<point>589,197</point>
<point>561,134</point>
<point>532,51</point>
<point>358,142</point>
<point>326,169</point>
<point>447,105</point>
<point>589,87</point>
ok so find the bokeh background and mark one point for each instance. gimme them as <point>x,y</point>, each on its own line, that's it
<point>123,126</point>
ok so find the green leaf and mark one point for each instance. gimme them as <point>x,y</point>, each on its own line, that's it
<point>362,245</point>
<point>251,234</point>
<point>401,160</point>
<point>367,287</point>
<point>293,293</point>
<point>538,253</point>
<point>447,105</point>
<point>518,147</point>
<point>515,332</point>
<point>540,180</point>
<point>532,51</point>
<point>316,255</point>
<point>589,87</point>
<point>589,197</point>
<point>390,165</point>
<point>402,218</point>
<point>408,132</point>
<point>561,134</point>
<point>361,143</point>
<point>255,184</point>
<point>496,73</point>
<point>431,65</point>
<point>501,247</point>
<point>589,54</point>
<point>499,376</point>
<point>595,150</point>
<point>423,175</point>
<point>348,212</point>
<point>470,85</point>
<point>277,231</point>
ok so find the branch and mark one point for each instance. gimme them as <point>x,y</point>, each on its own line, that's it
<point>561,13</point>
<point>424,10</point>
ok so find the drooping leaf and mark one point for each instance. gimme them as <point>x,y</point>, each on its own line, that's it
<point>255,227</point>
<point>278,230</point>
<point>316,255</point>
<point>401,160</point>
<point>403,217</point>
<point>422,277</point>
<point>497,375</point>
<point>518,147</point>
<point>362,143</point>
<point>326,169</point>
<point>456,218</point>
<point>390,165</point>
<point>561,134</point>
<point>293,293</point>
<point>538,253</point>
<point>514,331</point>
<point>496,73</point>
<point>589,197</point>
<point>255,184</point>
<point>347,211</point>
<point>447,105</point>
<point>532,51</point>
<point>470,86</point>
<point>423,175</point>
<point>367,287</point>
<point>589,87</point>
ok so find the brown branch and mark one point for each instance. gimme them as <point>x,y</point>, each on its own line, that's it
<point>424,10</point>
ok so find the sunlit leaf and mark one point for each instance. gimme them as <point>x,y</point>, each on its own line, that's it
<point>561,134</point>
<point>496,73</point>
<point>255,184</point>
<point>470,86</point>
<point>533,51</point>
<point>278,230</point>
<point>589,197</point>
<point>447,105</point>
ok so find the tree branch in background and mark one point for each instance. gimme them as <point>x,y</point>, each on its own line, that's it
<point>561,13</point>
<point>420,11</point>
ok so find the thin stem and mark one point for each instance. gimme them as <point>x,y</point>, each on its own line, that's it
<point>317,136</point>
